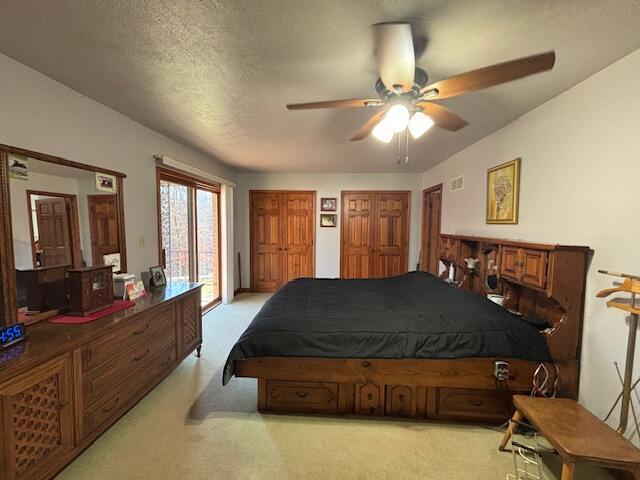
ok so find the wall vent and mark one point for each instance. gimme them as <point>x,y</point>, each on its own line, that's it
<point>457,183</point>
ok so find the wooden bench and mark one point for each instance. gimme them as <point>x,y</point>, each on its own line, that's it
<point>576,434</point>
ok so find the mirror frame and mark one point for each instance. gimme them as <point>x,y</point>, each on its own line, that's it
<point>8,293</point>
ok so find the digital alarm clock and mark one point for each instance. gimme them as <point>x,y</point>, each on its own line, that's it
<point>12,334</point>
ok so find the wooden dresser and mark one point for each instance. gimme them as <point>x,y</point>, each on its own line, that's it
<point>67,384</point>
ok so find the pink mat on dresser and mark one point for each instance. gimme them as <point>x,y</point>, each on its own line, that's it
<point>117,306</point>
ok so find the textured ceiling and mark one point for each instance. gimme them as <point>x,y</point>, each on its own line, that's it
<point>216,75</point>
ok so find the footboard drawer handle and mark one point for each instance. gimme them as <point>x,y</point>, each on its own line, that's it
<point>477,403</point>
<point>140,357</point>
<point>115,403</point>
<point>140,332</point>
<point>302,394</point>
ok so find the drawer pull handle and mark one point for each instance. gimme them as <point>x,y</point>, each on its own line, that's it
<point>140,332</point>
<point>140,357</point>
<point>115,403</point>
<point>477,403</point>
<point>166,362</point>
<point>302,394</point>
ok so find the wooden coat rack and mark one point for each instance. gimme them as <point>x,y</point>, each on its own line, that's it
<point>631,285</point>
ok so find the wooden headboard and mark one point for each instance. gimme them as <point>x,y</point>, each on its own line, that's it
<point>544,280</point>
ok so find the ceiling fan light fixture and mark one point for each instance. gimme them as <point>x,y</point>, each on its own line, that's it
<point>397,117</point>
<point>419,124</point>
<point>383,131</point>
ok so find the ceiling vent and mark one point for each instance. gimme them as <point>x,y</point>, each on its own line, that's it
<point>457,183</point>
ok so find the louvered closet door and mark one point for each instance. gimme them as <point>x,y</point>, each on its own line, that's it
<point>357,234</point>
<point>298,235</point>
<point>391,234</point>
<point>266,241</point>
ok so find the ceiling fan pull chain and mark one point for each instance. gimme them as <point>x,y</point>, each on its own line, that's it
<point>406,151</point>
<point>398,156</point>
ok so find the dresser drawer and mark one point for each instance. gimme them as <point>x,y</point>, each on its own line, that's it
<point>100,299</point>
<point>113,344</point>
<point>116,399</point>
<point>302,396</point>
<point>468,403</point>
<point>99,380</point>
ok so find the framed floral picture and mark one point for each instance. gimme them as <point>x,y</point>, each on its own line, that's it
<point>503,192</point>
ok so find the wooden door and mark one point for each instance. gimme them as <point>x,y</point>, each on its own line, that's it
<point>391,234</point>
<point>356,255</point>
<point>282,237</point>
<point>298,226</point>
<point>266,242</point>
<point>375,234</point>
<point>103,224</point>
<point>53,231</point>
<point>431,213</point>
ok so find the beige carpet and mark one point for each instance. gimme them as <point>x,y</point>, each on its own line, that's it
<point>193,428</point>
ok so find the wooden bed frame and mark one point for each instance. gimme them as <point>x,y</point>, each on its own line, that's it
<point>544,280</point>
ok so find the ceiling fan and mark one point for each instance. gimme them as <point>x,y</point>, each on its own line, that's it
<point>405,95</point>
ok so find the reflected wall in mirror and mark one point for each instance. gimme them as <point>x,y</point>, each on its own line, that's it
<point>59,220</point>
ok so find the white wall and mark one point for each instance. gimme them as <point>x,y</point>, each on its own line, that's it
<point>325,185</point>
<point>40,114</point>
<point>579,185</point>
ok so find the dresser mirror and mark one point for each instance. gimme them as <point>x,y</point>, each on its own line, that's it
<point>59,215</point>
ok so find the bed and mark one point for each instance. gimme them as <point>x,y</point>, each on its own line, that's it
<point>410,345</point>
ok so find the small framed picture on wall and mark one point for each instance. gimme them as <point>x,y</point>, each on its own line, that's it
<point>328,220</point>
<point>328,204</point>
<point>105,182</point>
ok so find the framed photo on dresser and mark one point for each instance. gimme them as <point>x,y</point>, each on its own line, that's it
<point>157,276</point>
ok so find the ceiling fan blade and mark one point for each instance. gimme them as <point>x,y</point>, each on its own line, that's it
<point>349,103</point>
<point>395,55</point>
<point>442,116</point>
<point>366,129</point>
<point>490,76</point>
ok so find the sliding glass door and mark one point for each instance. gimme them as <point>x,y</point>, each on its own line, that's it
<point>190,232</point>
<point>207,244</point>
<point>175,215</point>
